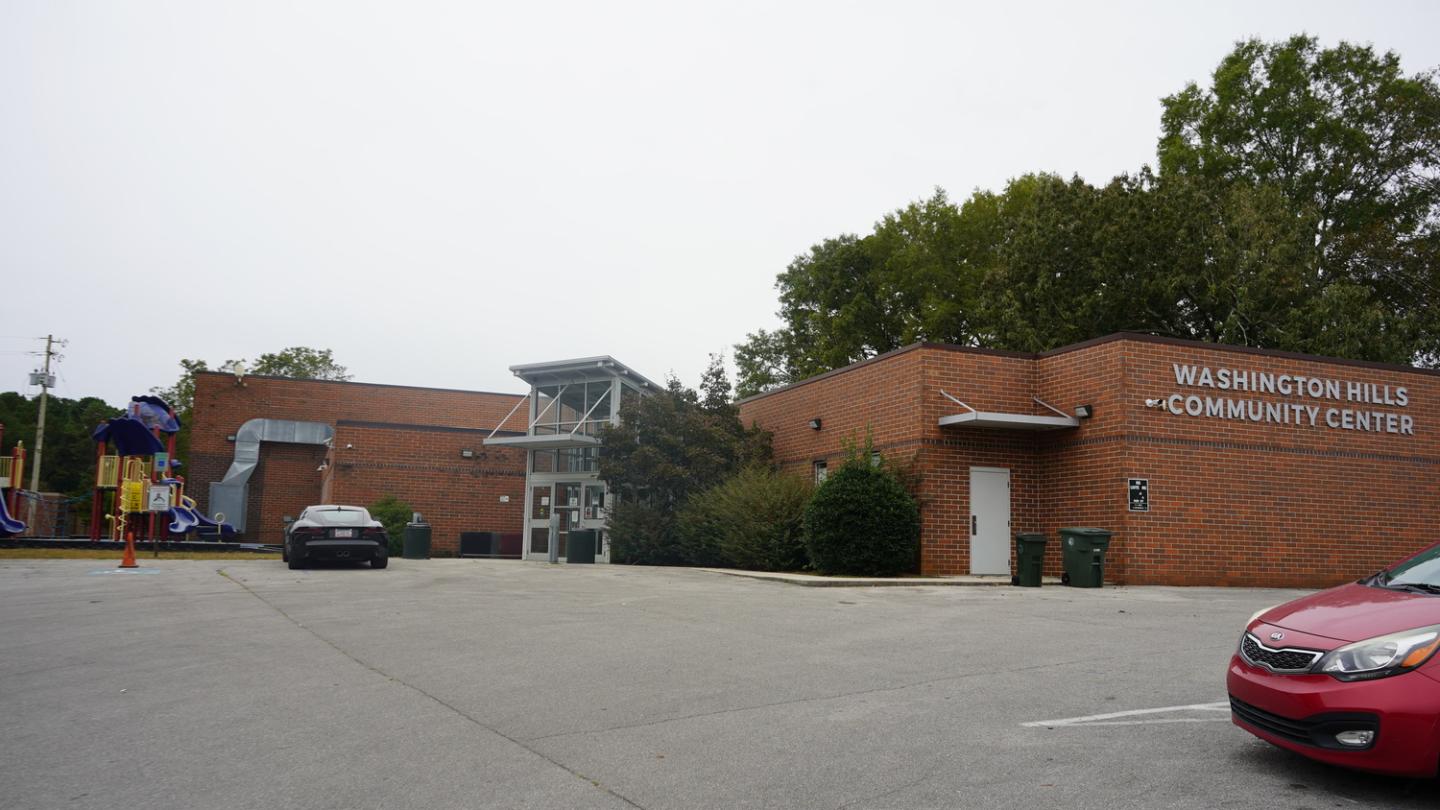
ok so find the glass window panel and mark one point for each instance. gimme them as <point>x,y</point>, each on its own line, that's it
<point>544,411</point>
<point>542,461</point>
<point>571,406</point>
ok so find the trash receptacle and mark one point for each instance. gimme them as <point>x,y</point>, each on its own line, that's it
<point>417,541</point>
<point>1084,553</point>
<point>1029,560</point>
<point>580,546</point>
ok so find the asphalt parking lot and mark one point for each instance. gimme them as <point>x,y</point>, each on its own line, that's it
<point>476,684</point>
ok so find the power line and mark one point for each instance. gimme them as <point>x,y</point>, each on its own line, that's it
<point>46,381</point>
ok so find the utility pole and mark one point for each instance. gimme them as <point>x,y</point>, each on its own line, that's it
<point>45,383</point>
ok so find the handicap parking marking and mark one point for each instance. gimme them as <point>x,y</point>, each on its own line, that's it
<point>1115,718</point>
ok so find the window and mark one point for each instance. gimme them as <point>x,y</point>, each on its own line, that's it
<point>820,472</point>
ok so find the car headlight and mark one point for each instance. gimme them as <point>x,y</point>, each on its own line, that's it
<point>1382,656</point>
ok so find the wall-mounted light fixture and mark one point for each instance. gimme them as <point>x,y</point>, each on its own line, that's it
<point>467,453</point>
<point>323,467</point>
<point>815,424</point>
<point>1084,411</point>
<point>230,438</point>
<point>349,447</point>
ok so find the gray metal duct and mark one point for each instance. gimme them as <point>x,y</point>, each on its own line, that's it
<point>231,495</point>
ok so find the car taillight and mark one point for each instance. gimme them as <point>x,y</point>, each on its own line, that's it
<point>307,531</point>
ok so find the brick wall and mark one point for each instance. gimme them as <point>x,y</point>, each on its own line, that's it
<point>423,466</point>
<point>403,441</point>
<point>1232,501</point>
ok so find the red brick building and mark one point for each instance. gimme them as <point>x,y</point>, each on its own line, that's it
<point>1211,464</point>
<point>1251,467</point>
<point>355,443</point>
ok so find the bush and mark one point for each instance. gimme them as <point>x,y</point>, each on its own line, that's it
<point>862,522</point>
<point>393,513</point>
<point>753,520</point>
<point>641,534</point>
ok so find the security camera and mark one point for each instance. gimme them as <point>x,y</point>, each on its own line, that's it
<point>1153,403</point>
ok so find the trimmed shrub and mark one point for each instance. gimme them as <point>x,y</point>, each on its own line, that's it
<point>393,513</point>
<point>862,522</point>
<point>641,534</point>
<point>753,520</point>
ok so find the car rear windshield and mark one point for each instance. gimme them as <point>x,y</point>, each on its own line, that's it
<point>1422,569</point>
<point>339,517</point>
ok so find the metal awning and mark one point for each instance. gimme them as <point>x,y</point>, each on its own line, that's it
<point>1008,421</point>
<point>556,441</point>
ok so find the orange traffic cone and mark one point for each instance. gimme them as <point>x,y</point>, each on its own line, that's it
<point>128,561</point>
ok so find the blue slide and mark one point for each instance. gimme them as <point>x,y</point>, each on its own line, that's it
<point>186,518</point>
<point>9,526</point>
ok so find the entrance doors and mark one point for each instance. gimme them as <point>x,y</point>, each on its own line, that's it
<point>989,520</point>
<point>572,505</point>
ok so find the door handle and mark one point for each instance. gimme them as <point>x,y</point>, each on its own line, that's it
<point>974,525</point>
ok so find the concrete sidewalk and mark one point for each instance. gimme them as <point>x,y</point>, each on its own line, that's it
<point>818,581</point>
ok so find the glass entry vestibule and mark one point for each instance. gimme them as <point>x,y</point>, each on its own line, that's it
<point>562,506</point>
<point>569,401</point>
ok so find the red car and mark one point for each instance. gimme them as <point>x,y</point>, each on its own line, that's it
<point>1349,675</point>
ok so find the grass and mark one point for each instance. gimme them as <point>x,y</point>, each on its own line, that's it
<point>114,554</point>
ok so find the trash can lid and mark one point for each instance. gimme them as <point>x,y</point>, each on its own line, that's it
<point>1086,531</point>
<point>1030,537</point>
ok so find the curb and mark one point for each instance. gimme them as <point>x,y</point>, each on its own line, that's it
<point>813,581</point>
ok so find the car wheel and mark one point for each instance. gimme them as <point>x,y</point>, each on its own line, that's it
<point>1064,579</point>
<point>381,561</point>
<point>285,552</point>
<point>294,563</point>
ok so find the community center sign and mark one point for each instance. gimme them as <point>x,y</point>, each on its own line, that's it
<point>1290,399</point>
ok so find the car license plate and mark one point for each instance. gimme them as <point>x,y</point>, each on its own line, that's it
<point>344,533</point>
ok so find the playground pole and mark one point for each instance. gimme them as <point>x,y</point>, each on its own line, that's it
<point>17,472</point>
<point>98,497</point>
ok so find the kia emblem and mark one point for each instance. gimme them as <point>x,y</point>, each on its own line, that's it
<point>1276,636</point>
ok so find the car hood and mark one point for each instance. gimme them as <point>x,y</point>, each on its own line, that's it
<point>1356,612</point>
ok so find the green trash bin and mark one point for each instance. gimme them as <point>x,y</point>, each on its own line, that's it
<point>1084,553</point>
<point>1029,560</point>
<point>417,541</point>
<point>580,546</point>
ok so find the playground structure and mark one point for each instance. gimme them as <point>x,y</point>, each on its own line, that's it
<point>137,489</point>
<point>12,470</point>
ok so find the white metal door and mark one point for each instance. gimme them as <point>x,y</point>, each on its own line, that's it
<point>989,520</point>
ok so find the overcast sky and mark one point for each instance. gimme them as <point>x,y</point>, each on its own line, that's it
<point>437,191</point>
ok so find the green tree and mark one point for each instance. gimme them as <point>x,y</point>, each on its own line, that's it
<point>301,363</point>
<point>668,446</point>
<point>69,463</point>
<point>1297,207</point>
<point>914,277</point>
<point>1354,144</point>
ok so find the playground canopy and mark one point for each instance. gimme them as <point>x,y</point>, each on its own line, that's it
<point>130,437</point>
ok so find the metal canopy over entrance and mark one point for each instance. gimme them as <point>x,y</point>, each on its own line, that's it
<point>552,442</point>
<point>568,404</point>
<point>1008,421</point>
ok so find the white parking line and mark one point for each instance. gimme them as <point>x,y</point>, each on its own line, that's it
<point>1098,719</point>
